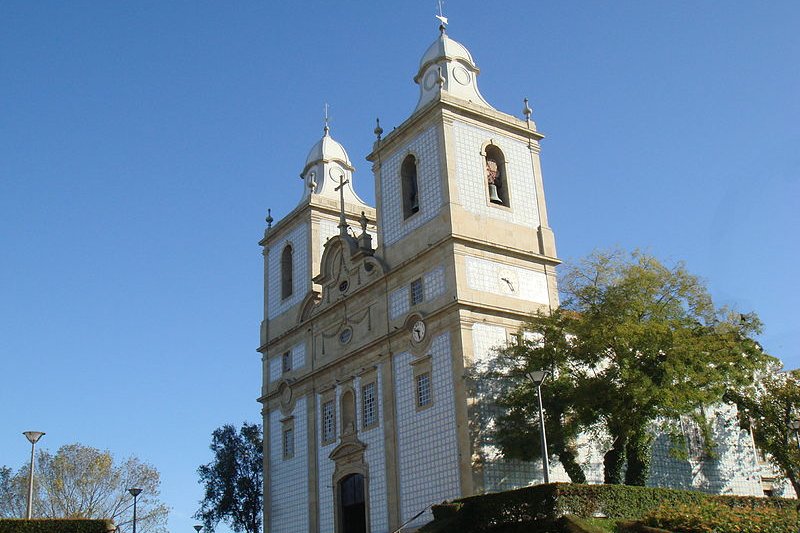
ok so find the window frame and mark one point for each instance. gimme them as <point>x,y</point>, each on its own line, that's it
<point>287,271</point>
<point>286,362</point>
<point>421,284</point>
<point>325,437</point>
<point>288,444</point>
<point>409,187</point>
<point>502,165</point>
<point>375,420</point>
<point>422,367</point>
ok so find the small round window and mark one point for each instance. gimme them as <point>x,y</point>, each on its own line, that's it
<point>343,286</point>
<point>346,335</point>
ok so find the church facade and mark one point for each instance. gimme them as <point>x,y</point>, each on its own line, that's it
<point>372,315</point>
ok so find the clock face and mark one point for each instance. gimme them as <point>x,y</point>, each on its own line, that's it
<point>418,331</point>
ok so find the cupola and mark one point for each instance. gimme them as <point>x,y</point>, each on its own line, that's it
<point>448,67</point>
<point>327,165</point>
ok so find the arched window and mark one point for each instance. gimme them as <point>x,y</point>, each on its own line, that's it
<point>496,181</point>
<point>408,177</point>
<point>286,272</point>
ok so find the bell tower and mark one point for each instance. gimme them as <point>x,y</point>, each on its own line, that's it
<point>459,184</point>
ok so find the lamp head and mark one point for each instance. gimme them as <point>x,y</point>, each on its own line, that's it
<point>135,492</point>
<point>33,436</point>
<point>538,376</point>
<point>198,527</point>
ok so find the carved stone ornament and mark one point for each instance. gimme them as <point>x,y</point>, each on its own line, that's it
<point>285,391</point>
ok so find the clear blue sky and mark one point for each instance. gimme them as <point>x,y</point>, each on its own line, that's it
<point>142,142</point>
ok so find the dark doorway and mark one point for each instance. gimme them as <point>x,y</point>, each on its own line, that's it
<point>351,503</point>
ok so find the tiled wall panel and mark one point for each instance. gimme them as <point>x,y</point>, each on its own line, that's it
<point>506,280</point>
<point>427,151</point>
<point>471,179</point>
<point>426,439</point>
<point>289,477</point>
<point>301,278</point>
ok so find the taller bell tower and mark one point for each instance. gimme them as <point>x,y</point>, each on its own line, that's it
<point>459,187</point>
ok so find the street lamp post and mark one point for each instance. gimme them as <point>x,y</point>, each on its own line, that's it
<point>33,437</point>
<point>538,377</point>
<point>794,425</point>
<point>135,493</point>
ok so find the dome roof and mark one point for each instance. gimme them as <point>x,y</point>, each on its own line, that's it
<point>327,149</point>
<point>444,46</point>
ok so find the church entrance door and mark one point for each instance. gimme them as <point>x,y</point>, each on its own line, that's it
<point>352,504</point>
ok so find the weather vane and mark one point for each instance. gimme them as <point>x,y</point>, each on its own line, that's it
<point>326,129</point>
<point>441,16</point>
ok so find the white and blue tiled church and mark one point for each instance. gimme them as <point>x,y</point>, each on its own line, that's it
<point>374,315</point>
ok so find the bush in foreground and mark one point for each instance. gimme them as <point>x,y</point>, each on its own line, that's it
<point>715,517</point>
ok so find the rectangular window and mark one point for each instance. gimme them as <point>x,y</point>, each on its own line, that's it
<point>288,442</point>
<point>370,410</point>
<point>424,389</point>
<point>328,422</point>
<point>286,362</point>
<point>417,293</point>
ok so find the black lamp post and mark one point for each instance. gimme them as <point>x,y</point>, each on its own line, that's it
<point>33,437</point>
<point>135,493</point>
<point>794,425</point>
<point>538,377</point>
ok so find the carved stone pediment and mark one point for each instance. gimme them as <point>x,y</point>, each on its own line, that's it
<point>350,450</point>
<point>344,268</point>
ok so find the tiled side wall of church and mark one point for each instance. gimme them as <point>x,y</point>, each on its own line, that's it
<point>734,470</point>
<point>289,477</point>
<point>298,238</point>
<point>471,180</point>
<point>425,148</point>
<point>426,438</point>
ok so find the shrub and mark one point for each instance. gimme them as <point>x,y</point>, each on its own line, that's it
<point>541,504</point>
<point>47,525</point>
<point>716,517</point>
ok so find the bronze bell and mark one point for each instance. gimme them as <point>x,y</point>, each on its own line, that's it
<point>493,194</point>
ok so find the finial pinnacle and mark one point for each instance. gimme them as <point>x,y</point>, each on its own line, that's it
<point>527,112</point>
<point>378,130</point>
<point>327,128</point>
<point>440,79</point>
<point>269,218</point>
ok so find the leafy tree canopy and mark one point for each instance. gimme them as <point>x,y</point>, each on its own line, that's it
<point>634,341</point>
<point>83,482</point>
<point>233,480</point>
<point>770,407</point>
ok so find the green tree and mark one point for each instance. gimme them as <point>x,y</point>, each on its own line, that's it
<point>768,408</point>
<point>233,480</point>
<point>634,342</point>
<point>83,482</point>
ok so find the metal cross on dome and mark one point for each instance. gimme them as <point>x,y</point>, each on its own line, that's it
<point>342,219</point>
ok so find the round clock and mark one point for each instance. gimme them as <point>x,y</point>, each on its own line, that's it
<point>418,331</point>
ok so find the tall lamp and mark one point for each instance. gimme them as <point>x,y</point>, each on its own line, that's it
<point>794,425</point>
<point>135,493</point>
<point>33,437</point>
<point>537,377</point>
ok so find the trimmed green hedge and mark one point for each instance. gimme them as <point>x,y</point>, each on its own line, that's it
<point>545,503</point>
<point>15,525</point>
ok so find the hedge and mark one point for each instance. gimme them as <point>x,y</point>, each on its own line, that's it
<point>545,503</point>
<point>47,525</point>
